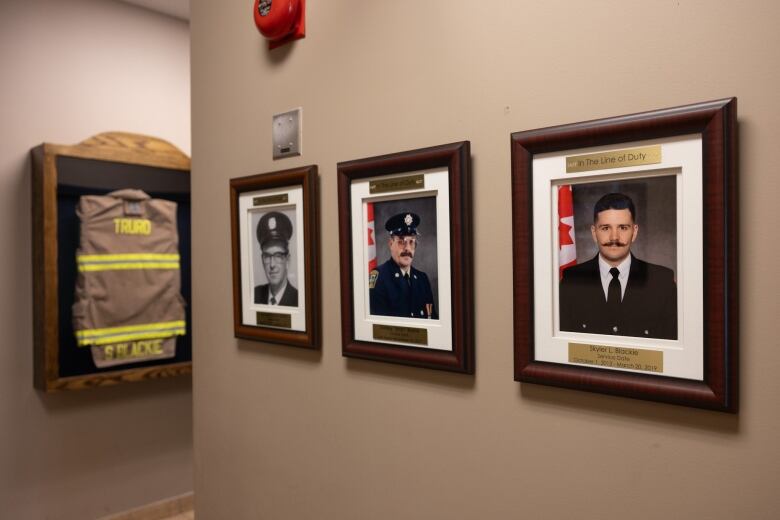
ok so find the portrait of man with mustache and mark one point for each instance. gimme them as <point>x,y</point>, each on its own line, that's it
<point>615,292</point>
<point>396,288</point>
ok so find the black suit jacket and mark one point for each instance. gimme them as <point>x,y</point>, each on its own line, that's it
<point>648,309</point>
<point>289,298</point>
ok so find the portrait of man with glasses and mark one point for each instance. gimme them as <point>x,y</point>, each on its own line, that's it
<point>396,288</point>
<point>273,234</point>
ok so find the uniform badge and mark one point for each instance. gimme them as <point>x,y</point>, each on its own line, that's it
<point>408,219</point>
<point>372,276</point>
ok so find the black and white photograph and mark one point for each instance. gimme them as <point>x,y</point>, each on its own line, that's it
<point>274,258</point>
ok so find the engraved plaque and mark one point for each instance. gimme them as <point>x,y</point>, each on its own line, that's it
<point>409,182</point>
<point>274,319</point>
<point>616,159</point>
<point>404,334</point>
<point>271,199</point>
<point>617,357</point>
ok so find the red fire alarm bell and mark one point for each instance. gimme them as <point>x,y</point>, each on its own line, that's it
<point>280,21</point>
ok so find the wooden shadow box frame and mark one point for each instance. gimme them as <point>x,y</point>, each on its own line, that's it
<point>62,173</point>
<point>714,266</point>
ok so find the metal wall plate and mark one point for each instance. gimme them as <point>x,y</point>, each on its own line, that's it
<point>287,133</point>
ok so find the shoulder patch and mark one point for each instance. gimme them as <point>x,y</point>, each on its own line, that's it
<point>372,276</point>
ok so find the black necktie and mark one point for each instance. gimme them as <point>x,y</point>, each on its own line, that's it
<point>409,293</point>
<point>272,301</point>
<point>613,291</point>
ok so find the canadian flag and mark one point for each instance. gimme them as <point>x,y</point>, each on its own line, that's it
<point>371,241</point>
<point>567,253</point>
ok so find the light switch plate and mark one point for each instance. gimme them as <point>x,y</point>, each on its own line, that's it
<point>287,133</point>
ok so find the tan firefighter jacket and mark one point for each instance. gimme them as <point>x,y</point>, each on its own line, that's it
<point>128,307</point>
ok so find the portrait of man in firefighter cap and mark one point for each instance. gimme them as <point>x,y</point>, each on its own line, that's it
<point>274,231</point>
<point>396,288</point>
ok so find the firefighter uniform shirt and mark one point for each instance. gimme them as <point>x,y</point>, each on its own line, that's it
<point>128,307</point>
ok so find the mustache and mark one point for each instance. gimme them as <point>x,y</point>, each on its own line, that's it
<point>407,253</point>
<point>614,243</point>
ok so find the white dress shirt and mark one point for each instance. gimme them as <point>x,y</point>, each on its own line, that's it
<point>277,296</point>
<point>624,267</point>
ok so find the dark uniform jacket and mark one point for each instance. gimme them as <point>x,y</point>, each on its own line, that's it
<point>648,308</point>
<point>289,298</point>
<point>392,295</point>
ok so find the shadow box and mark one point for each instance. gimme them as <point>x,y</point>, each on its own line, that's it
<point>111,262</point>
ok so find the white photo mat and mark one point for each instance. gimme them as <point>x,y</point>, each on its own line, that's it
<point>439,331</point>
<point>681,157</point>
<point>247,248</point>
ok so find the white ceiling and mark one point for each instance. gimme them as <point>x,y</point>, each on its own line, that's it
<point>176,8</point>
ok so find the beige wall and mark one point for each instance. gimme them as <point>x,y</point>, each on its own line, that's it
<point>286,434</point>
<point>70,70</point>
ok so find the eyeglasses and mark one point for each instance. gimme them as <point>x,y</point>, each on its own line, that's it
<point>277,258</point>
<point>406,241</point>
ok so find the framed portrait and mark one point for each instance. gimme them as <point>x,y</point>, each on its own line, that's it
<point>275,248</point>
<point>406,260</point>
<point>625,258</point>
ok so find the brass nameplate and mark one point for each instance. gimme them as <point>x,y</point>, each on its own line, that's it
<point>410,182</point>
<point>271,199</point>
<point>617,159</point>
<point>617,357</point>
<point>273,319</point>
<point>404,334</point>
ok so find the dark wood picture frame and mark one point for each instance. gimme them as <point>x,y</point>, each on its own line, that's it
<point>716,122</point>
<point>306,178</point>
<point>456,158</point>
<point>101,163</point>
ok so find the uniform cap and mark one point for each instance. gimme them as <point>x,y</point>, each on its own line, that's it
<point>274,226</point>
<point>403,224</point>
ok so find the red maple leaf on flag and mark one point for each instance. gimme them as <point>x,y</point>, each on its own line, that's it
<point>564,232</point>
<point>567,251</point>
<point>371,245</point>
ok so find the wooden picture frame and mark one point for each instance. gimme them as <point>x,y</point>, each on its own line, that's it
<point>280,208</point>
<point>428,192</point>
<point>693,363</point>
<point>61,174</point>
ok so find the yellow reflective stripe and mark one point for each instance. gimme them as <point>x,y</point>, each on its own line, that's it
<point>123,261</point>
<point>129,265</point>
<point>130,328</point>
<point>109,340</point>
<point>127,256</point>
